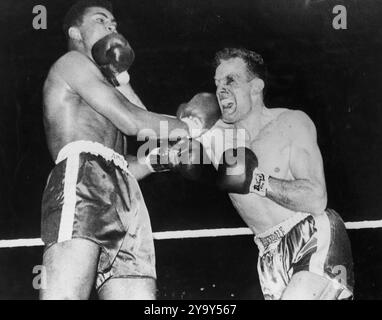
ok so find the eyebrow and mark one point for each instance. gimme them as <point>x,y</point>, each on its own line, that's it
<point>233,74</point>
<point>102,14</point>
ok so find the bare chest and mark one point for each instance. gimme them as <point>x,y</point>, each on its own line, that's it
<point>68,118</point>
<point>272,148</point>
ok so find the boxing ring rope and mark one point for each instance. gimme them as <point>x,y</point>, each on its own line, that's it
<point>186,234</point>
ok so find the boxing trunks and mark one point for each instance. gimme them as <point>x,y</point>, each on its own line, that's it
<point>305,243</point>
<point>90,194</point>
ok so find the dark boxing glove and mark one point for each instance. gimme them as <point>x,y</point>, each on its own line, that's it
<point>238,173</point>
<point>114,56</point>
<point>200,113</point>
<point>185,157</point>
<point>190,160</point>
<point>162,158</point>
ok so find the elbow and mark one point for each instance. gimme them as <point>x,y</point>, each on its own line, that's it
<point>127,125</point>
<point>319,202</point>
<point>130,131</point>
<point>142,129</point>
<point>135,127</point>
<point>132,122</point>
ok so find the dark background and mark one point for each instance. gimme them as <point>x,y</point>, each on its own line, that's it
<point>333,75</point>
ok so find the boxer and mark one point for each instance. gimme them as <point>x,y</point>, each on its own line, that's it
<point>277,187</point>
<point>95,225</point>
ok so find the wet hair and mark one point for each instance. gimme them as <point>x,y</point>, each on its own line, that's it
<point>254,61</point>
<point>74,16</point>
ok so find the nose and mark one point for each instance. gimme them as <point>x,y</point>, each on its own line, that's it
<point>221,89</point>
<point>111,27</point>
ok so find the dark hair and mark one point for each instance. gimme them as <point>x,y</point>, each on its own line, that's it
<point>254,61</point>
<point>76,12</point>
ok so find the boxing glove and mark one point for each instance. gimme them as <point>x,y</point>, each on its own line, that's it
<point>162,158</point>
<point>191,158</point>
<point>200,113</point>
<point>114,56</point>
<point>238,173</point>
<point>186,157</point>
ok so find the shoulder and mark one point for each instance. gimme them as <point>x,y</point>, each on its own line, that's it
<point>59,69</point>
<point>72,61</point>
<point>74,68</point>
<point>73,57</point>
<point>296,121</point>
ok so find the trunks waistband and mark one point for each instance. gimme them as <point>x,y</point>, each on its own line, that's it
<point>95,148</point>
<point>270,238</point>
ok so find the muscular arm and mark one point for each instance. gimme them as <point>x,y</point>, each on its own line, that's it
<point>138,169</point>
<point>85,78</point>
<point>307,192</point>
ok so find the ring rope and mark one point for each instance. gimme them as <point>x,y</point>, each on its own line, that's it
<point>184,234</point>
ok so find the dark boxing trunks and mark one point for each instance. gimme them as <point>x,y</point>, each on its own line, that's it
<point>305,243</point>
<point>90,194</point>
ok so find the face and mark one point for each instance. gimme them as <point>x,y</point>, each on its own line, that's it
<point>233,89</point>
<point>97,23</point>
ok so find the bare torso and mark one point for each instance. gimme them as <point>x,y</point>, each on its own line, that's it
<point>67,117</point>
<point>272,148</point>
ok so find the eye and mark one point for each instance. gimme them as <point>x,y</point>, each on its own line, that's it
<point>230,80</point>
<point>100,20</point>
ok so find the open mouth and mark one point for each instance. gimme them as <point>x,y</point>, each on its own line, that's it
<point>228,105</point>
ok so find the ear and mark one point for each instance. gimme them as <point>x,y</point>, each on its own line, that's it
<point>74,33</point>
<point>257,86</point>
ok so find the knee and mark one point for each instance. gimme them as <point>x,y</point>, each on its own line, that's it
<point>128,289</point>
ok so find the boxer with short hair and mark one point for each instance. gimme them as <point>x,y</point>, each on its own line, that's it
<point>277,187</point>
<point>304,250</point>
<point>95,224</point>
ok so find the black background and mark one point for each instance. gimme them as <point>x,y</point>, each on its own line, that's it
<point>333,75</point>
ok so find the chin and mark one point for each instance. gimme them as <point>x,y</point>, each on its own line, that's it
<point>228,119</point>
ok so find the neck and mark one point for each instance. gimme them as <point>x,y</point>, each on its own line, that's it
<point>79,46</point>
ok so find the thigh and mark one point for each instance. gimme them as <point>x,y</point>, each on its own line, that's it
<point>128,289</point>
<point>70,268</point>
<point>305,285</point>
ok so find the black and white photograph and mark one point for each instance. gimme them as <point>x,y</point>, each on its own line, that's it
<point>190,150</point>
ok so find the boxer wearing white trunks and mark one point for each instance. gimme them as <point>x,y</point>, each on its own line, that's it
<point>279,189</point>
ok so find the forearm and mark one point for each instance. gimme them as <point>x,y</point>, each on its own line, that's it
<point>127,91</point>
<point>158,126</point>
<point>297,195</point>
<point>138,170</point>
<point>133,120</point>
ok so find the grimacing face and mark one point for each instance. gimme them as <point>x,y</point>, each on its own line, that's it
<point>97,22</point>
<point>233,89</point>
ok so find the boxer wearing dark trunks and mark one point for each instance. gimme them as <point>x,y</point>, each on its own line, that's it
<point>99,200</point>
<point>95,223</point>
